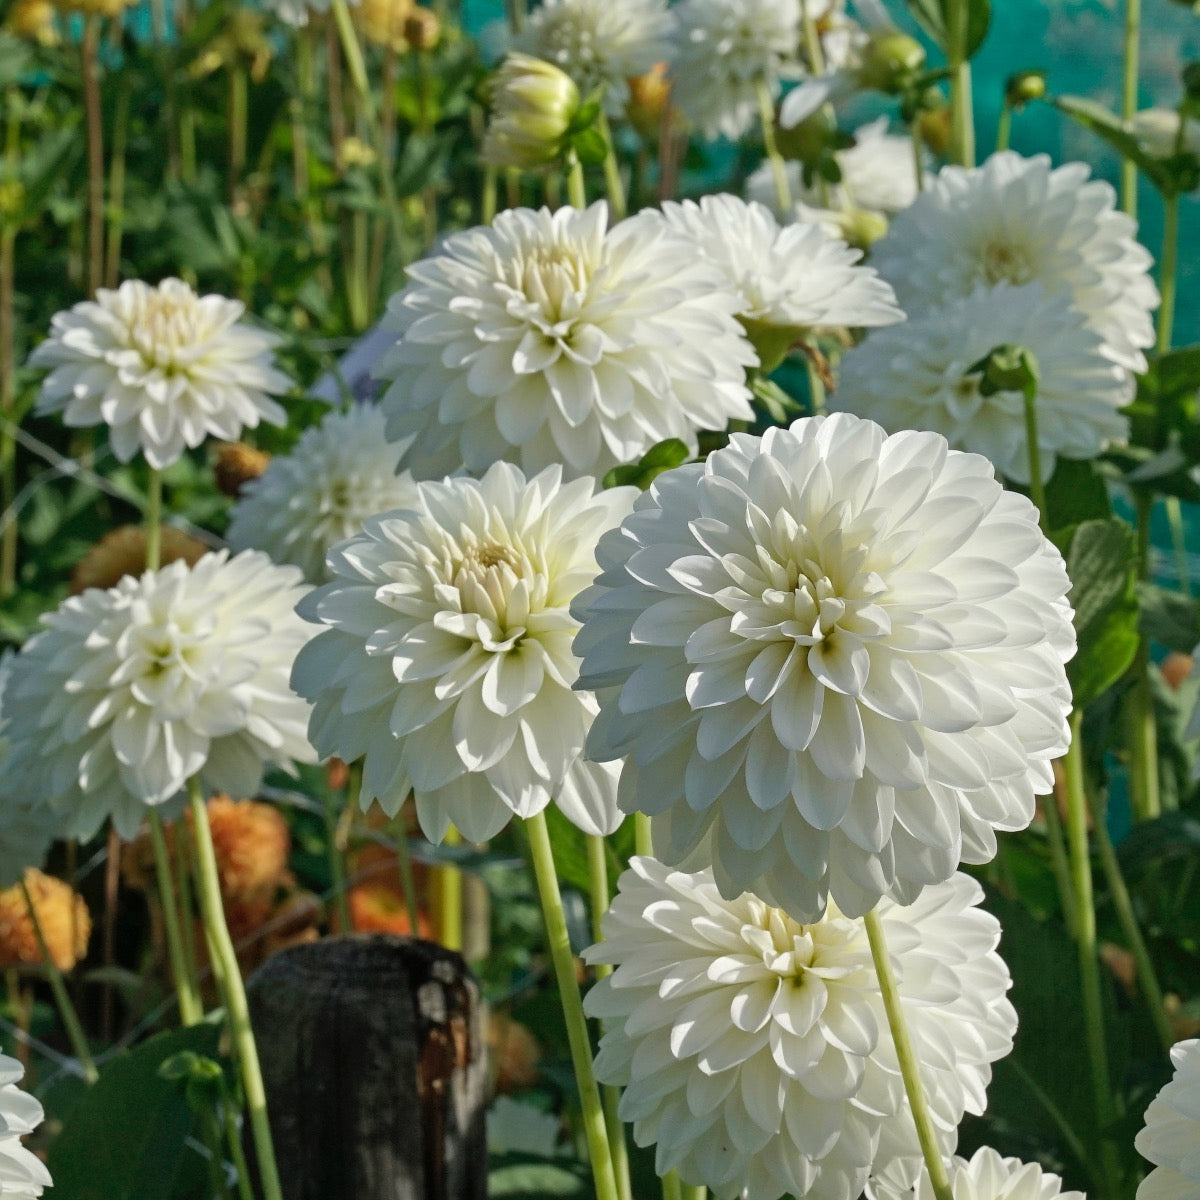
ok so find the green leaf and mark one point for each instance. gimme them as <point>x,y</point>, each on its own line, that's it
<point>662,456</point>
<point>1108,126</point>
<point>931,16</point>
<point>126,1139</point>
<point>1102,563</point>
<point>1169,618</point>
<point>517,1177</point>
<point>1076,493</point>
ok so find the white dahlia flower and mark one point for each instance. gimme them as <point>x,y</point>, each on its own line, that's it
<point>878,175</point>
<point>792,275</point>
<point>161,366</point>
<point>447,659</point>
<point>129,692</point>
<point>1171,1137</point>
<point>338,474</point>
<point>988,1176</point>
<point>26,828</point>
<point>22,1173</point>
<point>1016,220</point>
<point>832,660</point>
<point>548,338</point>
<point>600,43</point>
<point>754,1051</point>
<point>918,376</point>
<point>725,50</point>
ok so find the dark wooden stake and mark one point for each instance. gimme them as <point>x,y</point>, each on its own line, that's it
<point>372,1049</point>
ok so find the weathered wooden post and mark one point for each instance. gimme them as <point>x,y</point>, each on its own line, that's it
<point>373,1055</point>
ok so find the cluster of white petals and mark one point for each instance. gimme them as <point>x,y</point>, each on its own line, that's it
<point>833,661</point>
<point>1018,220</point>
<point>22,1173</point>
<point>550,339</point>
<point>447,657</point>
<point>726,50</point>
<point>163,367</point>
<point>1171,1136</point>
<point>988,1176</point>
<point>297,13</point>
<point>600,43</point>
<point>919,376</point>
<point>792,275</point>
<point>754,1050</point>
<point>338,474</point>
<point>127,693</point>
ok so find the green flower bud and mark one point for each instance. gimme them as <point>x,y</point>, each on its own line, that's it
<point>890,60</point>
<point>809,140</point>
<point>1025,87</point>
<point>533,107</point>
<point>1006,369</point>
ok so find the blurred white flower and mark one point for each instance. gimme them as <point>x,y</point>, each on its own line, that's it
<point>26,828</point>
<point>600,43</point>
<point>162,366</point>
<point>516,1128</point>
<point>549,338</point>
<point>338,474</point>
<point>129,692</point>
<point>792,275</point>
<point>918,376</point>
<point>1171,1136</point>
<point>447,659</point>
<point>297,12</point>
<point>988,1176</point>
<point>832,661</point>
<point>22,1173</point>
<point>754,1051</point>
<point>725,50</point>
<point>878,175</point>
<point>1157,131</point>
<point>1016,220</point>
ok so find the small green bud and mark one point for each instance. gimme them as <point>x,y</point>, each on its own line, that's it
<point>808,140</point>
<point>1006,369</point>
<point>1025,87</point>
<point>890,60</point>
<point>534,106</point>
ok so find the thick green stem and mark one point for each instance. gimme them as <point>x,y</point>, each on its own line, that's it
<point>448,901</point>
<point>962,114</point>
<point>672,1186</point>
<point>1085,940</point>
<point>1037,489</point>
<point>766,118</point>
<point>1129,99</point>
<point>66,1010</point>
<point>910,1069</point>
<point>643,838</point>
<point>700,1192</point>
<point>487,199</point>
<point>239,112</point>
<point>612,170</point>
<point>572,1005</point>
<point>1004,128</point>
<point>1168,269</point>
<point>236,1006</point>
<point>1059,862</point>
<point>116,186</point>
<point>576,191</point>
<point>154,520</point>
<point>89,54</point>
<point>516,14</point>
<point>190,1009</point>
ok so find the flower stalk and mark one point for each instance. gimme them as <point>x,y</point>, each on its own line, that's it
<point>612,169</point>
<point>339,898</point>
<point>89,59</point>
<point>1129,99</point>
<point>448,902</point>
<point>766,116</point>
<point>1168,270</point>
<point>191,1011</point>
<point>154,520</point>
<point>962,114</point>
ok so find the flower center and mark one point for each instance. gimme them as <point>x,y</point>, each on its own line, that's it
<point>1005,263</point>
<point>164,324</point>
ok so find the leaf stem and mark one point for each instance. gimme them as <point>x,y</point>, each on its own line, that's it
<point>89,60</point>
<point>190,1009</point>
<point>766,117</point>
<point>154,520</point>
<point>1168,269</point>
<point>612,169</point>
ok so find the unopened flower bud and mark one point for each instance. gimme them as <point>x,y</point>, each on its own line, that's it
<point>860,227</point>
<point>649,96</point>
<point>1157,132</point>
<point>889,61</point>
<point>808,140</point>
<point>422,29</point>
<point>1025,87</point>
<point>1006,369</point>
<point>934,127</point>
<point>533,105</point>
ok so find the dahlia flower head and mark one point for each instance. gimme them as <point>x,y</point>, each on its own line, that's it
<point>338,474</point>
<point>794,276</point>
<point>22,1173</point>
<point>832,661</point>
<point>162,367</point>
<point>754,1050</point>
<point>548,338</point>
<point>1171,1136</point>
<point>919,376</point>
<point>989,1176</point>
<point>725,51</point>
<point>64,924</point>
<point>128,693</point>
<point>1018,220</point>
<point>446,660</point>
<point>600,43</point>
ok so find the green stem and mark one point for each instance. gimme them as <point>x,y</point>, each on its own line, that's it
<point>1058,861</point>
<point>1004,128</point>
<point>572,1005</point>
<point>8,445</point>
<point>339,898</point>
<point>233,1139</point>
<point>643,839</point>
<point>1142,721</point>
<point>239,109</point>
<point>962,115</point>
<point>237,1009</point>
<point>1085,939</point>
<point>766,118</point>
<point>816,387</point>
<point>812,40</point>
<point>918,147</point>
<point>1037,489</point>
<point>66,1010</point>
<point>1179,543</point>
<point>89,48</point>
<point>1129,99</point>
<point>187,914</point>
<point>154,520</point>
<point>487,202</point>
<point>116,185</point>
<point>190,1009</point>
<point>612,170</point>
<point>700,1192</point>
<point>1168,265</point>
<point>1118,889</point>
<point>909,1067</point>
<point>576,191</point>
<point>448,898</point>
<point>516,14</point>
<point>672,1186</point>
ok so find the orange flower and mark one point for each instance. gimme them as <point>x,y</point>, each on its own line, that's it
<point>380,908</point>
<point>237,464</point>
<point>63,916</point>
<point>123,552</point>
<point>252,844</point>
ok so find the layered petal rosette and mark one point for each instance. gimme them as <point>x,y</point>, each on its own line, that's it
<point>22,1173</point>
<point>754,1050</point>
<point>446,660</point>
<point>549,338</point>
<point>1018,220</point>
<point>832,660</point>
<point>127,693</point>
<point>989,1176</point>
<point>338,474</point>
<point>1171,1136</point>
<point>924,375</point>
<point>163,367</point>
